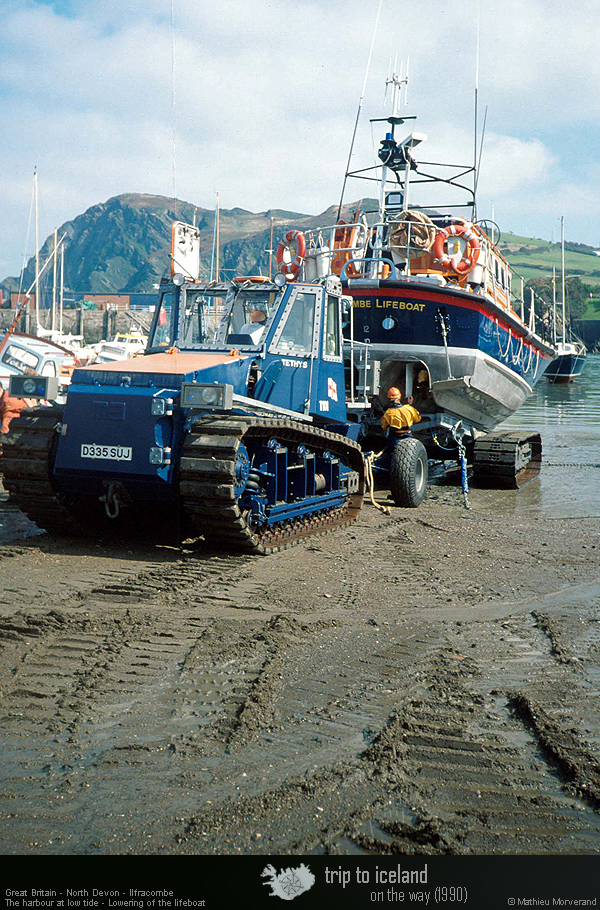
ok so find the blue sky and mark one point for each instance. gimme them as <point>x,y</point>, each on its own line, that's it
<point>257,101</point>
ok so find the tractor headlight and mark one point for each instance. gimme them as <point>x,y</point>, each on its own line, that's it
<point>198,395</point>
<point>210,396</point>
<point>26,386</point>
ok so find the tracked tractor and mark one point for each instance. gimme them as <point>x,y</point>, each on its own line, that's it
<point>232,425</point>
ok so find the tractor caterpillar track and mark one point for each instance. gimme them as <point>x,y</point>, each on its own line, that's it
<point>207,482</point>
<point>507,459</point>
<point>206,475</point>
<point>26,464</point>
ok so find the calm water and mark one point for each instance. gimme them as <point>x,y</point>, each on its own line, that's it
<point>568,418</point>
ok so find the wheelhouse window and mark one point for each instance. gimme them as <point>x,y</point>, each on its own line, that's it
<point>49,368</point>
<point>202,314</point>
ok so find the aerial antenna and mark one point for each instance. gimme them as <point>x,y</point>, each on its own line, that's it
<point>388,78</point>
<point>360,104</point>
<point>173,124</point>
<point>478,168</point>
<point>399,81</point>
<point>475,161</point>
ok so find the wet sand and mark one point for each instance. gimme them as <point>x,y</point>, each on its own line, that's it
<point>423,682</point>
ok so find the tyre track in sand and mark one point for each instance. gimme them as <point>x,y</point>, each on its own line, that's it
<point>386,690</point>
<point>94,682</point>
<point>450,770</point>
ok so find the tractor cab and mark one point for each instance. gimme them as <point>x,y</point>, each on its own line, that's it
<point>289,338</point>
<point>191,315</point>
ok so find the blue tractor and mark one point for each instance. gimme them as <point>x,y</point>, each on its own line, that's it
<point>232,425</point>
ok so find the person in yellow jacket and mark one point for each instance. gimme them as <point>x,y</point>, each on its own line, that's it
<point>398,416</point>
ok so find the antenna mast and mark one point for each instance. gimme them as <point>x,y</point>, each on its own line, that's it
<point>475,163</point>
<point>397,81</point>
<point>360,104</point>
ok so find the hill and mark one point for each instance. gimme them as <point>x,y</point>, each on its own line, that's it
<point>123,245</point>
<point>534,258</point>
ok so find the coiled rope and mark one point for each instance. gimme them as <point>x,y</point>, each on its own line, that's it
<point>371,484</point>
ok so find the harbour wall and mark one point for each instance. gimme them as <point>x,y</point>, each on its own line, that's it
<point>94,325</point>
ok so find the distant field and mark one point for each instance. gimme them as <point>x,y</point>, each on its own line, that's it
<point>532,257</point>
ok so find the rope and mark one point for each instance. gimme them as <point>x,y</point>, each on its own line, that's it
<point>503,354</point>
<point>462,452</point>
<point>371,484</point>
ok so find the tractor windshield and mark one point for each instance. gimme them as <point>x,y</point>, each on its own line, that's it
<point>208,315</point>
<point>163,331</point>
<point>199,314</point>
<point>201,317</point>
<point>247,313</point>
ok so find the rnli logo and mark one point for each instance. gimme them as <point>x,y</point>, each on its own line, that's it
<point>108,410</point>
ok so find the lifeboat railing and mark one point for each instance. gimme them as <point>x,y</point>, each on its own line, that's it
<point>329,248</point>
<point>329,252</point>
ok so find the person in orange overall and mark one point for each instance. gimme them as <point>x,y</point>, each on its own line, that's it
<point>399,417</point>
<point>11,408</point>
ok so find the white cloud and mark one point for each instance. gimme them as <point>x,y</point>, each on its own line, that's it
<point>509,163</point>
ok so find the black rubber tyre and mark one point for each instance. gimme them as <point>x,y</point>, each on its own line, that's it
<point>409,471</point>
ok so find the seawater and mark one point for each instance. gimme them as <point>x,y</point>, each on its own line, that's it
<point>567,415</point>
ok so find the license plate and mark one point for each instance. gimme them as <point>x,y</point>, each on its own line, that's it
<point>108,453</point>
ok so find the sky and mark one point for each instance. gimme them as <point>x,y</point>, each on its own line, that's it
<point>256,101</point>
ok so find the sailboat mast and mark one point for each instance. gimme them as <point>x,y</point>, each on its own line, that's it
<point>62,286</point>
<point>214,256</point>
<point>217,243</point>
<point>37,249</point>
<point>554,303</point>
<point>54,271</point>
<point>562,282</point>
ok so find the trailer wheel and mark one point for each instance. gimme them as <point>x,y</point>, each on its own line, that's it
<point>409,472</point>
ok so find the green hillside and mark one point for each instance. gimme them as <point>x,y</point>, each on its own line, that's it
<point>534,258</point>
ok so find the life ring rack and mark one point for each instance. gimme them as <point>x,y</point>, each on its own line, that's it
<point>462,229</point>
<point>291,268</point>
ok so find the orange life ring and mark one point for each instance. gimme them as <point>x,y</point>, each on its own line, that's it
<point>462,229</point>
<point>293,267</point>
